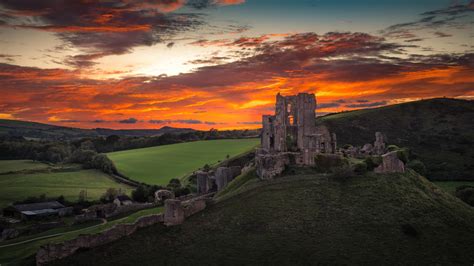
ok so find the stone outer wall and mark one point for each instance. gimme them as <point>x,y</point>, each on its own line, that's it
<point>193,206</point>
<point>175,213</point>
<point>51,252</point>
<point>271,165</point>
<point>390,164</point>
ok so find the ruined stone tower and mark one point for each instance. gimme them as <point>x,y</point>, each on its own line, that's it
<point>291,135</point>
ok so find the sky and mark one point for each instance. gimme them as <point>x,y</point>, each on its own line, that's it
<point>219,63</point>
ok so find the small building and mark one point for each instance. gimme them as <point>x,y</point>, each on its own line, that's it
<point>123,200</point>
<point>37,210</point>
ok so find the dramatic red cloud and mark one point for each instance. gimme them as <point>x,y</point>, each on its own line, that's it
<point>59,97</point>
<point>230,2</point>
<point>346,70</point>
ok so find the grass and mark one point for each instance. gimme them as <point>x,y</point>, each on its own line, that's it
<point>306,220</point>
<point>450,186</point>
<point>22,254</point>
<point>7,166</point>
<point>18,186</point>
<point>157,165</point>
<point>439,132</point>
<point>239,183</point>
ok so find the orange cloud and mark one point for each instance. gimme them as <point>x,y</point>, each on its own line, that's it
<point>230,2</point>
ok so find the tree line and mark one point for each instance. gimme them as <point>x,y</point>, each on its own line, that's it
<point>89,151</point>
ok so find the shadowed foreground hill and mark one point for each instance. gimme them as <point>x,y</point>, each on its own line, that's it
<point>309,219</point>
<point>439,131</point>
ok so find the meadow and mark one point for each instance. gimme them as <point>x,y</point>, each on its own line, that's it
<point>20,179</point>
<point>157,165</point>
<point>19,165</point>
<point>450,186</point>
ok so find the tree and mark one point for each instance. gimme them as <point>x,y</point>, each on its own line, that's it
<point>82,195</point>
<point>140,194</point>
<point>110,195</point>
<point>87,145</point>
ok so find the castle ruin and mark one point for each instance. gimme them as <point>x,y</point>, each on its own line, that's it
<point>291,136</point>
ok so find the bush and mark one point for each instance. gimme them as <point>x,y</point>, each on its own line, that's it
<point>393,148</point>
<point>372,162</point>
<point>360,167</point>
<point>140,194</point>
<point>110,195</point>
<point>102,162</point>
<point>347,146</point>
<point>466,194</point>
<point>418,166</point>
<point>174,183</point>
<point>403,155</point>
<point>326,162</point>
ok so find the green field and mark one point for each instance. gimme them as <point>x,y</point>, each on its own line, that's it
<point>19,165</point>
<point>450,186</point>
<point>53,183</point>
<point>157,165</point>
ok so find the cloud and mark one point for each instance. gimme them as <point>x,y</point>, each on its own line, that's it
<point>336,66</point>
<point>365,105</point>
<point>442,34</point>
<point>211,61</point>
<point>8,57</point>
<point>129,121</point>
<point>201,4</point>
<point>453,16</point>
<point>102,28</point>
<point>251,123</point>
<point>328,105</point>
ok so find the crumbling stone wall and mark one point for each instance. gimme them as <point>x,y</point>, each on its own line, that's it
<point>193,206</point>
<point>207,181</point>
<point>203,182</point>
<point>379,144</point>
<point>271,165</point>
<point>292,130</point>
<point>390,164</point>
<point>174,212</point>
<point>163,194</point>
<point>51,252</point>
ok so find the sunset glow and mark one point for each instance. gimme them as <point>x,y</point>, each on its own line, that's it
<point>219,63</point>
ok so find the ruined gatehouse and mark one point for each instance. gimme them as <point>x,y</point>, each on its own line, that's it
<point>291,136</point>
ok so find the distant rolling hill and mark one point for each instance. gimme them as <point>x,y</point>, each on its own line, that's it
<point>45,131</point>
<point>439,131</point>
<point>309,219</point>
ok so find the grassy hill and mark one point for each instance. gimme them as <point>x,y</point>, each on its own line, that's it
<point>439,131</point>
<point>309,219</point>
<point>157,165</point>
<point>44,131</point>
<point>20,179</point>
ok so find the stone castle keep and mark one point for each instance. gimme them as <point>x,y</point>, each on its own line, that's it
<point>291,136</point>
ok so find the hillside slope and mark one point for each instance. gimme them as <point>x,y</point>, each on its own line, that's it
<point>45,131</point>
<point>439,131</point>
<point>310,219</point>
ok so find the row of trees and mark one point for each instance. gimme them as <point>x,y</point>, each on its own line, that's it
<point>88,151</point>
<point>145,193</point>
<point>117,143</point>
